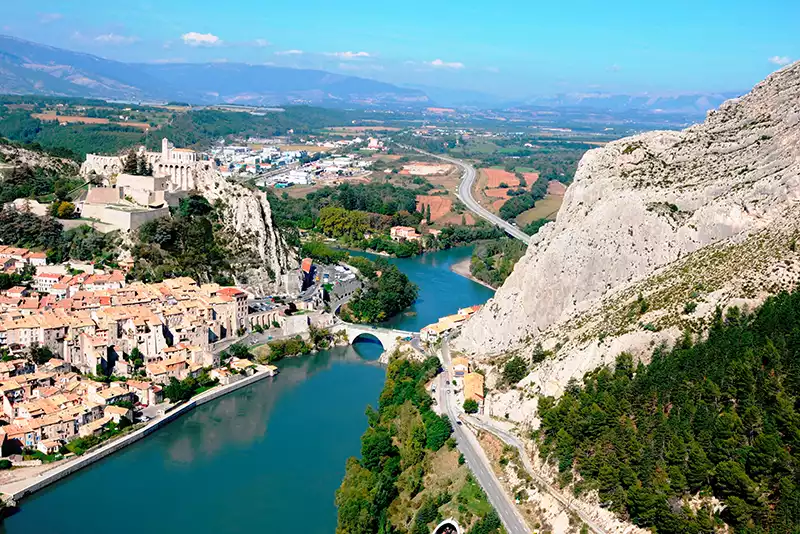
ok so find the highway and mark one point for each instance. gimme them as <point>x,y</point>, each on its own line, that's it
<point>515,442</point>
<point>464,194</point>
<point>475,457</point>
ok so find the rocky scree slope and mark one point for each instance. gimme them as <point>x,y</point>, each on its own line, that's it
<point>12,155</point>
<point>651,222</point>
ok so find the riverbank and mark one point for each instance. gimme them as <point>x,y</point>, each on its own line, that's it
<point>462,268</point>
<point>23,488</point>
<point>278,453</point>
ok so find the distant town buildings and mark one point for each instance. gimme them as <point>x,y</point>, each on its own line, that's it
<point>400,233</point>
<point>434,332</point>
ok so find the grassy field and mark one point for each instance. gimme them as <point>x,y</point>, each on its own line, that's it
<point>547,208</point>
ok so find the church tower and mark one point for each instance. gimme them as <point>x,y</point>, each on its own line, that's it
<point>165,149</point>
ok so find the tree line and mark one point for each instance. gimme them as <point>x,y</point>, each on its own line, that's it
<point>716,417</point>
<point>388,292</point>
<point>401,433</point>
<point>24,229</point>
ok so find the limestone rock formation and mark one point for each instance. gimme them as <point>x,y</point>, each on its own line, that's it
<point>261,255</point>
<point>12,155</point>
<point>652,222</point>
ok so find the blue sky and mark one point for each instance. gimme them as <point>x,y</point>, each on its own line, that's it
<point>510,48</point>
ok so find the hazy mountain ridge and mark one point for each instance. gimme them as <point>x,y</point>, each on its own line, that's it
<point>31,68</point>
<point>689,103</point>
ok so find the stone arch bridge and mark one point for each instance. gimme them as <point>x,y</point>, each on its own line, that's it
<point>387,337</point>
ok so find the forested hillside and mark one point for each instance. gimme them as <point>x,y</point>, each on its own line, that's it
<point>719,417</point>
<point>20,121</point>
<point>410,475</point>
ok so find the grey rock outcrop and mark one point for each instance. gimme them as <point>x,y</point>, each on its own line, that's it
<point>261,255</point>
<point>644,203</point>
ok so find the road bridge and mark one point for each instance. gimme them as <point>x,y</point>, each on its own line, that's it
<point>387,337</point>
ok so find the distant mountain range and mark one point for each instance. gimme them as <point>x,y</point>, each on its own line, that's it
<point>686,104</point>
<point>32,68</point>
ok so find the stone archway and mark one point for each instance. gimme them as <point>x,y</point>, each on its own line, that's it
<point>366,337</point>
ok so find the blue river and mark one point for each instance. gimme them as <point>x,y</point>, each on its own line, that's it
<point>265,459</point>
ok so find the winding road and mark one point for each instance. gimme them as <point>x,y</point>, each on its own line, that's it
<point>515,442</point>
<point>475,457</point>
<point>464,194</point>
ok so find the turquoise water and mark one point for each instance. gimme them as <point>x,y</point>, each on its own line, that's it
<point>441,291</point>
<point>258,460</point>
<point>265,459</point>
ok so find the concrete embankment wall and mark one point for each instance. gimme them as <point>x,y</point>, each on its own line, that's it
<point>63,471</point>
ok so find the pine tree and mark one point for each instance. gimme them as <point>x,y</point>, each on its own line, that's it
<point>131,165</point>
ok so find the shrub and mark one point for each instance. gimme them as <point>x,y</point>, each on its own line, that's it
<point>515,370</point>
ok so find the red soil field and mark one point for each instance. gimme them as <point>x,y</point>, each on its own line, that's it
<point>496,193</point>
<point>497,176</point>
<point>530,177</point>
<point>440,205</point>
<point>455,218</point>
<point>556,188</point>
<point>497,204</point>
<point>76,119</point>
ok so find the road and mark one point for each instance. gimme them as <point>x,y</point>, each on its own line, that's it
<point>464,194</point>
<point>515,442</point>
<point>475,457</point>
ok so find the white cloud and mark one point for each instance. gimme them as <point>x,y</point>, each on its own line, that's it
<point>439,64</point>
<point>289,53</point>
<point>116,39</point>
<point>493,70</point>
<point>260,42</point>
<point>615,68</point>
<point>349,55</point>
<point>46,18</point>
<point>780,60</point>
<point>201,39</point>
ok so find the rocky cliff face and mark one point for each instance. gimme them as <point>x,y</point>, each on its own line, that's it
<point>706,215</point>
<point>261,254</point>
<point>11,155</point>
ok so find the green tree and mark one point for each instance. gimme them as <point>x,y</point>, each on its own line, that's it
<point>471,406</point>
<point>131,163</point>
<point>514,370</point>
<point>66,210</point>
<point>40,354</point>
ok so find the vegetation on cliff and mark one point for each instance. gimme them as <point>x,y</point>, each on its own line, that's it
<point>409,477</point>
<point>388,292</point>
<point>24,229</point>
<point>493,261</point>
<point>719,417</point>
<point>189,243</point>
